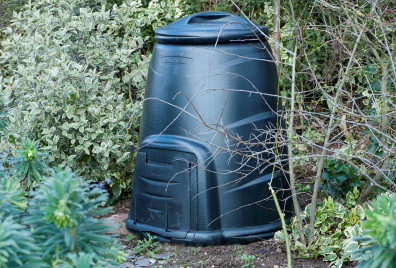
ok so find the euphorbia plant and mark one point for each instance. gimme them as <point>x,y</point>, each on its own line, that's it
<point>63,214</point>
<point>29,163</point>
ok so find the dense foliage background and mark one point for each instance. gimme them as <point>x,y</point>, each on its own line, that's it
<point>72,79</point>
<point>74,73</point>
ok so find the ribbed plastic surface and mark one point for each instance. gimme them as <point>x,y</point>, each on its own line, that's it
<point>194,182</point>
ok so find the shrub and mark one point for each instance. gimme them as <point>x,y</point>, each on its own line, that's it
<point>332,221</point>
<point>74,76</point>
<point>339,178</point>
<point>258,11</point>
<point>60,227</point>
<point>7,7</point>
<point>3,116</point>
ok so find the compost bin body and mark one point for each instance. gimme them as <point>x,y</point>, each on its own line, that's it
<point>200,175</point>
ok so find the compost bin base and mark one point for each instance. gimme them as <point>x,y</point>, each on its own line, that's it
<point>216,237</point>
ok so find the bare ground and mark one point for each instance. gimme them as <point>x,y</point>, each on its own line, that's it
<point>266,253</point>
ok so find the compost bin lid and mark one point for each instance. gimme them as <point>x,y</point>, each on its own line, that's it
<point>208,27</point>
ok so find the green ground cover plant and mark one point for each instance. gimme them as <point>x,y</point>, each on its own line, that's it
<point>333,219</point>
<point>148,245</point>
<point>350,232</point>
<point>248,260</point>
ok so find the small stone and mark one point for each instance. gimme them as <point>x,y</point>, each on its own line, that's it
<point>152,261</point>
<point>119,221</point>
<point>163,256</point>
<point>143,262</point>
<point>161,262</point>
<point>218,262</point>
<point>276,266</point>
<point>278,250</point>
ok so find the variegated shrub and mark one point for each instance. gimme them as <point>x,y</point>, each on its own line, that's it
<point>75,71</point>
<point>334,230</point>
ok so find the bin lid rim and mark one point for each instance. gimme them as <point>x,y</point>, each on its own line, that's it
<point>210,27</point>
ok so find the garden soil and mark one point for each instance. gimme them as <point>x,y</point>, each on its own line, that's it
<point>267,253</point>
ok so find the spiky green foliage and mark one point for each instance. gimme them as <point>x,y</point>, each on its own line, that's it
<point>60,221</point>
<point>82,260</point>
<point>17,247</point>
<point>29,163</point>
<point>62,216</point>
<point>60,227</point>
<point>12,198</point>
<point>380,231</point>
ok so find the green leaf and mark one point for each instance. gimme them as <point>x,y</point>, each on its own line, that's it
<point>300,246</point>
<point>330,257</point>
<point>351,246</point>
<point>336,264</point>
<point>116,191</point>
<point>341,179</point>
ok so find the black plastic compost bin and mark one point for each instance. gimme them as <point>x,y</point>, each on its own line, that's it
<point>210,102</point>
